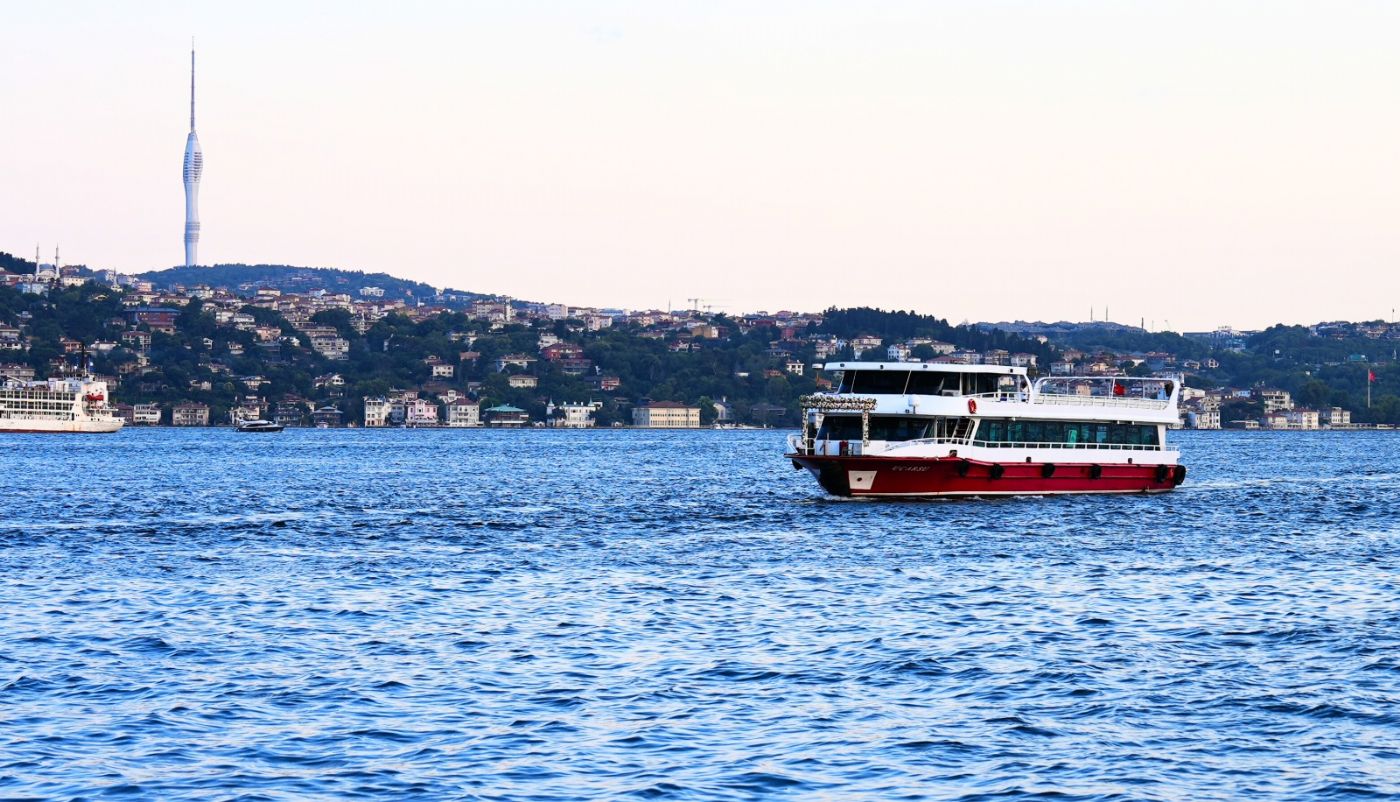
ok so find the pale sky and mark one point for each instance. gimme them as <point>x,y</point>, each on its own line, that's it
<point>1201,163</point>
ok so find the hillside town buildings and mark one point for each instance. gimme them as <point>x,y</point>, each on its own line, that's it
<point>457,388</point>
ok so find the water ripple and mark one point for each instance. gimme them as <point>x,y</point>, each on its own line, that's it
<point>679,616</point>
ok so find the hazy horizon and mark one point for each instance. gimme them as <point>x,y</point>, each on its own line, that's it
<point>1202,164</point>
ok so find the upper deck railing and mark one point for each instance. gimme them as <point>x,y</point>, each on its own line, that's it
<point>1100,401</point>
<point>811,446</point>
<point>1121,391</point>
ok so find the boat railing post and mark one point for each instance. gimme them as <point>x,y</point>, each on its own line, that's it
<point>864,430</point>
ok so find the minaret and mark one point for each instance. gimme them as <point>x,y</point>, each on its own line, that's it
<point>194,167</point>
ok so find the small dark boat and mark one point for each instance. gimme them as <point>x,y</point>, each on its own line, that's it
<point>258,426</point>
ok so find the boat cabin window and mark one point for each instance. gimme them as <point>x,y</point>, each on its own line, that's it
<point>874,382</point>
<point>882,427</point>
<point>929,383</point>
<point>992,432</point>
<point>925,382</point>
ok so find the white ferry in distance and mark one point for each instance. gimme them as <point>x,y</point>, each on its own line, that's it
<point>917,429</point>
<point>56,405</point>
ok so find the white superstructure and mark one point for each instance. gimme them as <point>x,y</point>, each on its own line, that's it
<point>915,429</point>
<point>56,405</point>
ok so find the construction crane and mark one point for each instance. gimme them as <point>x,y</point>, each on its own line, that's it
<point>708,304</point>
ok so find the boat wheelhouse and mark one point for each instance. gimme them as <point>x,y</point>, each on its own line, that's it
<point>922,429</point>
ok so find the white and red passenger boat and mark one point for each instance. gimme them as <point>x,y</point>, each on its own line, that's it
<point>56,405</point>
<point>919,429</point>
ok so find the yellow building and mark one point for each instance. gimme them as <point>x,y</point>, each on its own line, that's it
<point>666,415</point>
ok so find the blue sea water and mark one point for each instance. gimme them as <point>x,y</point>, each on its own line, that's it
<point>548,615</point>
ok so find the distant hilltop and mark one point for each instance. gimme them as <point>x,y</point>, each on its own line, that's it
<point>293,279</point>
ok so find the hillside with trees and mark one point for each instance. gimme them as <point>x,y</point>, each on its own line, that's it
<point>757,366</point>
<point>287,278</point>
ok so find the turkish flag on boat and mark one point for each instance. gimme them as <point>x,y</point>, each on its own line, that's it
<point>1370,376</point>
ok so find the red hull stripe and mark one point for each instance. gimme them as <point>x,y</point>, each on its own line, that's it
<point>951,476</point>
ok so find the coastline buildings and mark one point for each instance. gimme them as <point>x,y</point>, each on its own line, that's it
<point>570,415</point>
<point>376,412</point>
<point>1335,418</point>
<point>666,415</point>
<point>190,414</point>
<point>145,414</point>
<point>300,343</point>
<point>463,412</point>
<point>194,168</point>
<point>505,416</point>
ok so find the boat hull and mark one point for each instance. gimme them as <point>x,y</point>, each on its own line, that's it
<point>952,476</point>
<point>40,426</point>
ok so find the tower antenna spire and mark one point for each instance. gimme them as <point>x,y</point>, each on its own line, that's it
<point>194,167</point>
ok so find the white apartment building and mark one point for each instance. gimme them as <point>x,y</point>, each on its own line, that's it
<point>376,412</point>
<point>462,412</point>
<point>145,414</point>
<point>1276,400</point>
<point>1336,417</point>
<point>1303,419</point>
<point>859,345</point>
<point>190,415</point>
<point>574,415</point>
<point>331,347</point>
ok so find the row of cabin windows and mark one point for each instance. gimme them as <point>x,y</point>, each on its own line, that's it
<point>894,428</point>
<point>1011,432</point>
<point>28,404</point>
<point>847,427</point>
<point>990,432</point>
<point>904,382</point>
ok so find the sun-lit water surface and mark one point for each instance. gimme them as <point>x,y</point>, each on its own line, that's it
<point>608,615</point>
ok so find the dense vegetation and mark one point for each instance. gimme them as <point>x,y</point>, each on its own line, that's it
<point>896,326</point>
<point>14,264</point>
<point>294,279</point>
